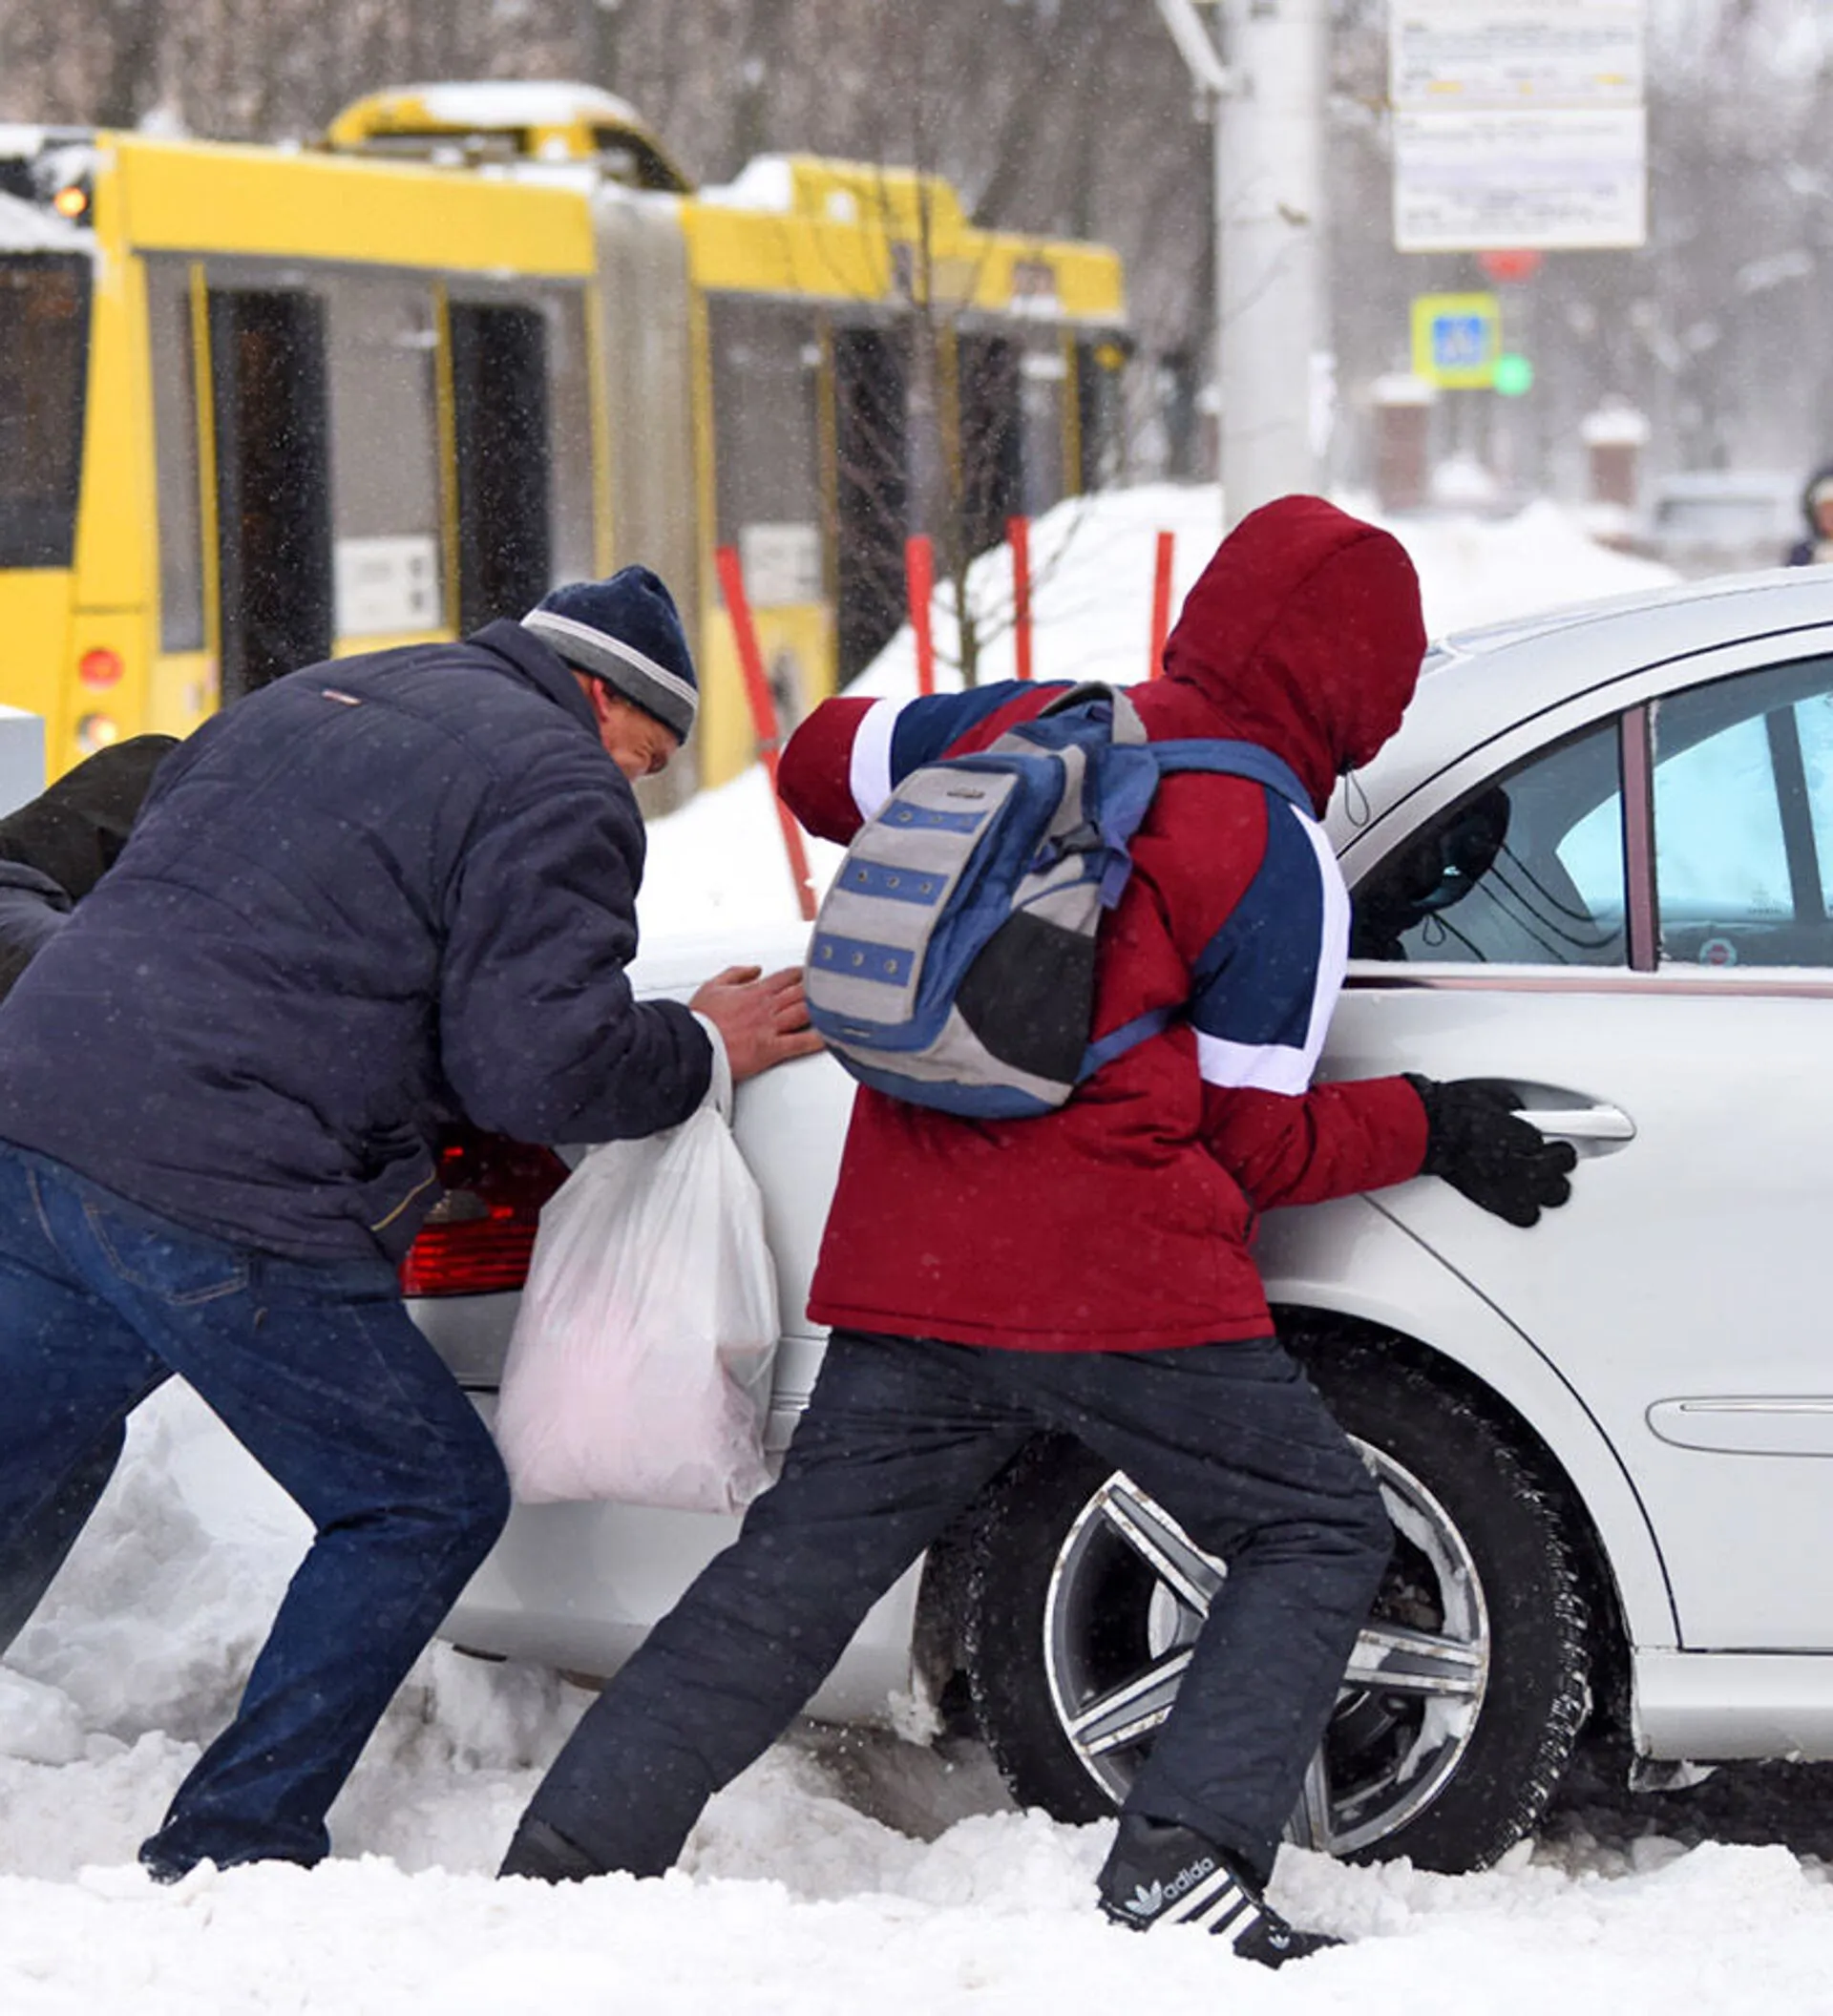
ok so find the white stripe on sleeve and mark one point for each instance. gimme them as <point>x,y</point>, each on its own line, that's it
<point>1277,1067</point>
<point>870,773</point>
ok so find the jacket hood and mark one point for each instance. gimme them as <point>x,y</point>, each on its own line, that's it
<point>1304,634</point>
<point>73,831</point>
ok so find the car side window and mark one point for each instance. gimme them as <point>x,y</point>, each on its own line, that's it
<point>1743,819</point>
<point>1527,871</point>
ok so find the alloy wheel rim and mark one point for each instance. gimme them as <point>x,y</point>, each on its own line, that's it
<point>1130,1590</point>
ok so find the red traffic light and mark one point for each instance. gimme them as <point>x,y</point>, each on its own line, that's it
<point>1508,265</point>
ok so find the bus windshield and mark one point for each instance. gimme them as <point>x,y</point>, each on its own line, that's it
<point>44,356</point>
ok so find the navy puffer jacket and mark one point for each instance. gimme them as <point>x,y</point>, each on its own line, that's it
<point>376,893</point>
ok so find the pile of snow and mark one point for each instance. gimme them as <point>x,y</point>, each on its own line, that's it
<point>844,1871</point>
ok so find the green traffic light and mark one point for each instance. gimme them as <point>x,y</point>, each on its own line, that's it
<point>1514,374</point>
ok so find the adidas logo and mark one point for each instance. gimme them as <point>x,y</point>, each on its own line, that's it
<point>1147,1903</point>
<point>1149,1900</point>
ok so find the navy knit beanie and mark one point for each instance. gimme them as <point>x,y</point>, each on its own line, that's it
<point>625,631</point>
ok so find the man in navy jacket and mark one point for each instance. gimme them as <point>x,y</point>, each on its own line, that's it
<point>374,895</point>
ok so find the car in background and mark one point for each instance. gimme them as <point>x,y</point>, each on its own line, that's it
<point>1597,862</point>
<point>1723,520</point>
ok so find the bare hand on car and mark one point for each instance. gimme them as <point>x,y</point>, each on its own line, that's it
<point>761,1016</point>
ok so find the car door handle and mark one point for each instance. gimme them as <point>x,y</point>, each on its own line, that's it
<point>1580,1122</point>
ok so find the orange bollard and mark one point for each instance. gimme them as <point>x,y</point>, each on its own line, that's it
<point>919,585</point>
<point>1161,602</point>
<point>769,740</point>
<point>1018,532</point>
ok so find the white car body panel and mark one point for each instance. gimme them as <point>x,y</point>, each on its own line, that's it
<point>1666,1307</point>
<point>1354,1258</point>
<point>1729,1705</point>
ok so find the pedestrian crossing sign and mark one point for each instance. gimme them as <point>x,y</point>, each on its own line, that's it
<point>1457,338</point>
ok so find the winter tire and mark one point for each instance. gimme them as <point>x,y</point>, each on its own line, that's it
<point>1464,1695</point>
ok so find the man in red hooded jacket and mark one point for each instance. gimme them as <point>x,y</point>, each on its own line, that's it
<point>1089,1272</point>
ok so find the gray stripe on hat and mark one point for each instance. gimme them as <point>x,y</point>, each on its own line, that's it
<point>658,691</point>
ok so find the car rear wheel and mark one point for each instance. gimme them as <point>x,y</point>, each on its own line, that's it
<point>1465,1692</point>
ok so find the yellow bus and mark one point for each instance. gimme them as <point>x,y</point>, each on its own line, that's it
<point>263,406</point>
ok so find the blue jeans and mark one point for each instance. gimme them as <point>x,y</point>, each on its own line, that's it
<point>319,1373</point>
<point>32,1552</point>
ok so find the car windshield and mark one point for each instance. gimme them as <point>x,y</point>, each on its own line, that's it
<point>44,356</point>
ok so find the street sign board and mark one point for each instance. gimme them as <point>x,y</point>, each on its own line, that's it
<point>1543,181</point>
<point>1453,54</point>
<point>1457,338</point>
<point>1518,124</point>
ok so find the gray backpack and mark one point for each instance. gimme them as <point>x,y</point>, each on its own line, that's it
<point>953,960</point>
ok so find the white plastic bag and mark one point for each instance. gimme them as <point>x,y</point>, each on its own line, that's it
<point>640,1365</point>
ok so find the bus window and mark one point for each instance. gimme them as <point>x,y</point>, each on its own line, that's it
<point>499,394</point>
<point>992,441</point>
<point>44,359</point>
<point>574,550</point>
<point>175,453</point>
<point>765,367</point>
<point>273,483</point>
<point>385,456</point>
<point>872,489</point>
<point>765,362</point>
<point>1042,369</point>
<point>1098,412</point>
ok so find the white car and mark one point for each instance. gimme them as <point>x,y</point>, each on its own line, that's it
<point>1597,862</point>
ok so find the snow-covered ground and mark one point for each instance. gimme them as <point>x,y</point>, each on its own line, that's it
<point>846,1871</point>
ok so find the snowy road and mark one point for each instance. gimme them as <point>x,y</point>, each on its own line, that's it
<point>843,1874</point>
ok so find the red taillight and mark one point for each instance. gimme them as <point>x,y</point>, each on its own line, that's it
<point>481,1232</point>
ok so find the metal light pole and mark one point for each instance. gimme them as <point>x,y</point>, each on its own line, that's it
<point>1266,107</point>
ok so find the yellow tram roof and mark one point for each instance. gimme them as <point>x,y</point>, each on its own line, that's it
<point>218,197</point>
<point>855,231</point>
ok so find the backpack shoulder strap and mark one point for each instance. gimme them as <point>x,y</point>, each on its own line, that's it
<point>1225,758</point>
<point>1127,728</point>
<point>1233,759</point>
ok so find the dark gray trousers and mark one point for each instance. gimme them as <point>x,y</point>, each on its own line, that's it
<point>899,1435</point>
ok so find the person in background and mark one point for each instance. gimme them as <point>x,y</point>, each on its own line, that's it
<point>55,848</point>
<point>52,851</point>
<point>1088,1271</point>
<point>1817,509</point>
<point>374,896</point>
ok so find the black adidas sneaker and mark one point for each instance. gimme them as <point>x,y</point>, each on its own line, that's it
<point>1162,1875</point>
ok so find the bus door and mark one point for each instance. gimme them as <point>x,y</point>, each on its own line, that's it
<point>500,382</point>
<point>871,490</point>
<point>273,483</point>
<point>991,442</point>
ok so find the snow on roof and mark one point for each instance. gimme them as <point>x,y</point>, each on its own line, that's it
<point>494,105</point>
<point>1402,388</point>
<point>765,183</point>
<point>1614,424</point>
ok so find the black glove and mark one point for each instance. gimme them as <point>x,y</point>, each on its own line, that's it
<point>1477,1142</point>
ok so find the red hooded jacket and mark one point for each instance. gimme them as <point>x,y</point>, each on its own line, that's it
<point>1122,1222</point>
